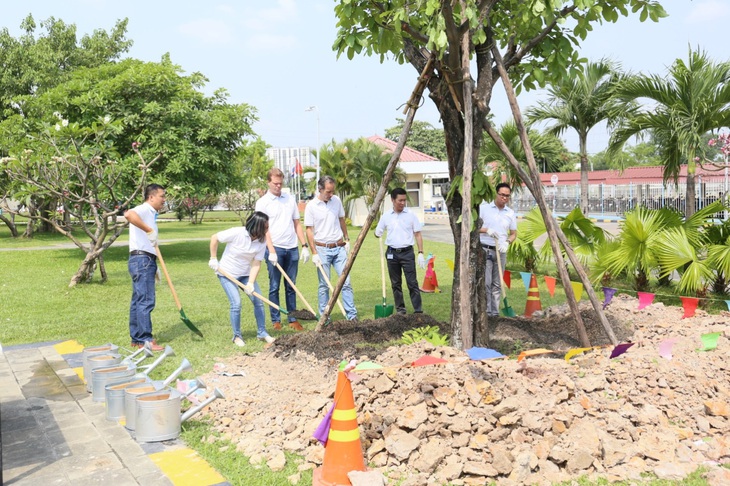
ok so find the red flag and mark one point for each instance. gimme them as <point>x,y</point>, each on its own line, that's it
<point>298,167</point>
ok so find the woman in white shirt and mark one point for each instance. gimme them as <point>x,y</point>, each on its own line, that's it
<point>242,257</point>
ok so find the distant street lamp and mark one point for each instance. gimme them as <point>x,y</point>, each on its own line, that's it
<point>316,109</point>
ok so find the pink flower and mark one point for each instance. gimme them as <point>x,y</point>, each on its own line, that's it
<point>712,142</point>
<point>135,146</point>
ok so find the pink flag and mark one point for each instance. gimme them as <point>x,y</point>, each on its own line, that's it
<point>645,299</point>
<point>428,360</point>
<point>690,305</point>
<point>665,348</point>
<point>620,349</point>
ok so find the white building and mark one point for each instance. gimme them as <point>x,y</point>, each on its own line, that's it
<point>285,158</point>
<point>426,179</point>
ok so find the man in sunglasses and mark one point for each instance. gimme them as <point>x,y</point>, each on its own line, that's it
<point>499,229</point>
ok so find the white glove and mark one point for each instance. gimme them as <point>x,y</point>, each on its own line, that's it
<point>421,261</point>
<point>503,246</point>
<point>316,260</point>
<point>248,288</point>
<point>213,264</point>
<point>273,258</point>
<point>158,276</point>
<point>491,232</point>
<point>347,247</point>
<point>152,236</point>
<point>305,254</point>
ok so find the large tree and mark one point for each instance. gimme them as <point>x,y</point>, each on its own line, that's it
<point>692,99</point>
<point>535,42</point>
<point>581,102</point>
<point>422,136</point>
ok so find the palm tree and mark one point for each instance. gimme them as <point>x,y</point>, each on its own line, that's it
<point>548,149</point>
<point>581,104</point>
<point>370,162</point>
<point>692,100</point>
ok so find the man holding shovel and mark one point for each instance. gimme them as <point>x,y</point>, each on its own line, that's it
<point>402,226</point>
<point>324,218</point>
<point>142,265</point>
<point>499,229</point>
<point>284,230</point>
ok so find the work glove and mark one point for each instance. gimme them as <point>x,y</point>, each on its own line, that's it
<point>421,261</point>
<point>491,232</point>
<point>158,277</point>
<point>347,247</point>
<point>152,236</point>
<point>273,258</point>
<point>503,246</point>
<point>248,288</point>
<point>213,264</point>
<point>305,254</point>
<point>316,260</point>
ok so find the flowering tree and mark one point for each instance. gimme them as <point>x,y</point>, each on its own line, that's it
<point>79,168</point>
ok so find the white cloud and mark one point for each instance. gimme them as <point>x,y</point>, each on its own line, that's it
<point>282,12</point>
<point>226,9</point>
<point>709,11</point>
<point>208,31</point>
<point>270,42</point>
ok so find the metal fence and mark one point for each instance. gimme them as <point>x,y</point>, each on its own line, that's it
<point>615,199</point>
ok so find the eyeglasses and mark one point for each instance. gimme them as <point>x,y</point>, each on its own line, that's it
<point>506,196</point>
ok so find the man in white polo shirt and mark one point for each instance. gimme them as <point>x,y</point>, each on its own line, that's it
<point>285,230</point>
<point>402,226</point>
<point>499,229</point>
<point>324,218</point>
<point>142,265</point>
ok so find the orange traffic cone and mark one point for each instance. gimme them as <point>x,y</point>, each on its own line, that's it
<point>533,298</point>
<point>343,451</point>
<point>430,283</point>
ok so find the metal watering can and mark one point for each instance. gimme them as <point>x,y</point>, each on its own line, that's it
<point>158,417</point>
<point>102,349</point>
<point>122,369</point>
<point>133,391</point>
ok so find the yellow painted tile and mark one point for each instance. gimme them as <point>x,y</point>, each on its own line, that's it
<point>68,347</point>
<point>80,371</point>
<point>184,467</point>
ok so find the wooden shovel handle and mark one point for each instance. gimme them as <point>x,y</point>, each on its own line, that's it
<point>254,293</point>
<point>286,277</point>
<point>332,289</point>
<point>167,277</point>
<point>382,266</point>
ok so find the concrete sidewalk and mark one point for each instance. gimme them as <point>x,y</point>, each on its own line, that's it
<point>54,434</point>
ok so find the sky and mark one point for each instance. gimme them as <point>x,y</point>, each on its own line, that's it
<point>277,56</point>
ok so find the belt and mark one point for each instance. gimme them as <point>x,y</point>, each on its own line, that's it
<point>488,247</point>
<point>330,245</point>
<point>140,252</point>
<point>400,250</point>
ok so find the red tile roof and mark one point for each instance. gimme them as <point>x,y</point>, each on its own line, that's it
<point>637,175</point>
<point>408,154</point>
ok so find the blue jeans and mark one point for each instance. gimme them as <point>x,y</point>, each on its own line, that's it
<point>493,280</point>
<point>289,262</point>
<point>234,299</point>
<point>336,257</point>
<point>142,269</point>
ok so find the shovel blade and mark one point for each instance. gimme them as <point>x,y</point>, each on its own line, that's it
<point>508,311</point>
<point>189,323</point>
<point>383,310</point>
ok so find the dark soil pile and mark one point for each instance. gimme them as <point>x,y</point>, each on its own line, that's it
<point>371,337</point>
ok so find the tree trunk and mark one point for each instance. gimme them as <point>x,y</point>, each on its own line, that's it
<point>691,195</point>
<point>584,205</point>
<point>11,226</point>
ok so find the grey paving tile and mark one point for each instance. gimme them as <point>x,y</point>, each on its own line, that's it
<point>20,423</point>
<point>154,479</point>
<point>46,474</point>
<point>77,466</point>
<point>118,477</point>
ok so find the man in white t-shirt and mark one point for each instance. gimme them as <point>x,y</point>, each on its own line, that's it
<point>499,229</point>
<point>142,265</point>
<point>284,230</point>
<point>402,226</point>
<point>324,218</point>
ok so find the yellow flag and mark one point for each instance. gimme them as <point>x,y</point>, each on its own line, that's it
<point>575,352</point>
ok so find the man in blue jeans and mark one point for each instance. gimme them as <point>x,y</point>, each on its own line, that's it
<point>284,231</point>
<point>324,218</point>
<point>143,265</point>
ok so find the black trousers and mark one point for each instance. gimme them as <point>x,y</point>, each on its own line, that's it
<point>403,260</point>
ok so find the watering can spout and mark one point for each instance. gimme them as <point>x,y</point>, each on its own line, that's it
<point>184,366</point>
<point>216,394</point>
<point>168,352</point>
<point>199,385</point>
<point>147,354</point>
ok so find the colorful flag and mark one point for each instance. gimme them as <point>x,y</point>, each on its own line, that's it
<point>550,282</point>
<point>298,167</point>
<point>690,306</point>
<point>709,341</point>
<point>608,293</point>
<point>620,349</point>
<point>526,277</point>
<point>645,299</point>
<point>665,348</point>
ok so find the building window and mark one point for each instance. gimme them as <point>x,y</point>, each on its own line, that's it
<point>438,186</point>
<point>414,194</point>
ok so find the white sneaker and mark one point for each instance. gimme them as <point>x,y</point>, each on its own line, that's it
<point>239,342</point>
<point>268,339</point>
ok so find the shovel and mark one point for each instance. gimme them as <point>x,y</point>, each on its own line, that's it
<point>382,310</point>
<point>255,294</point>
<point>332,289</point>
<point>286,277</point>
<point>507,311</point>
<point>184,318</point>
